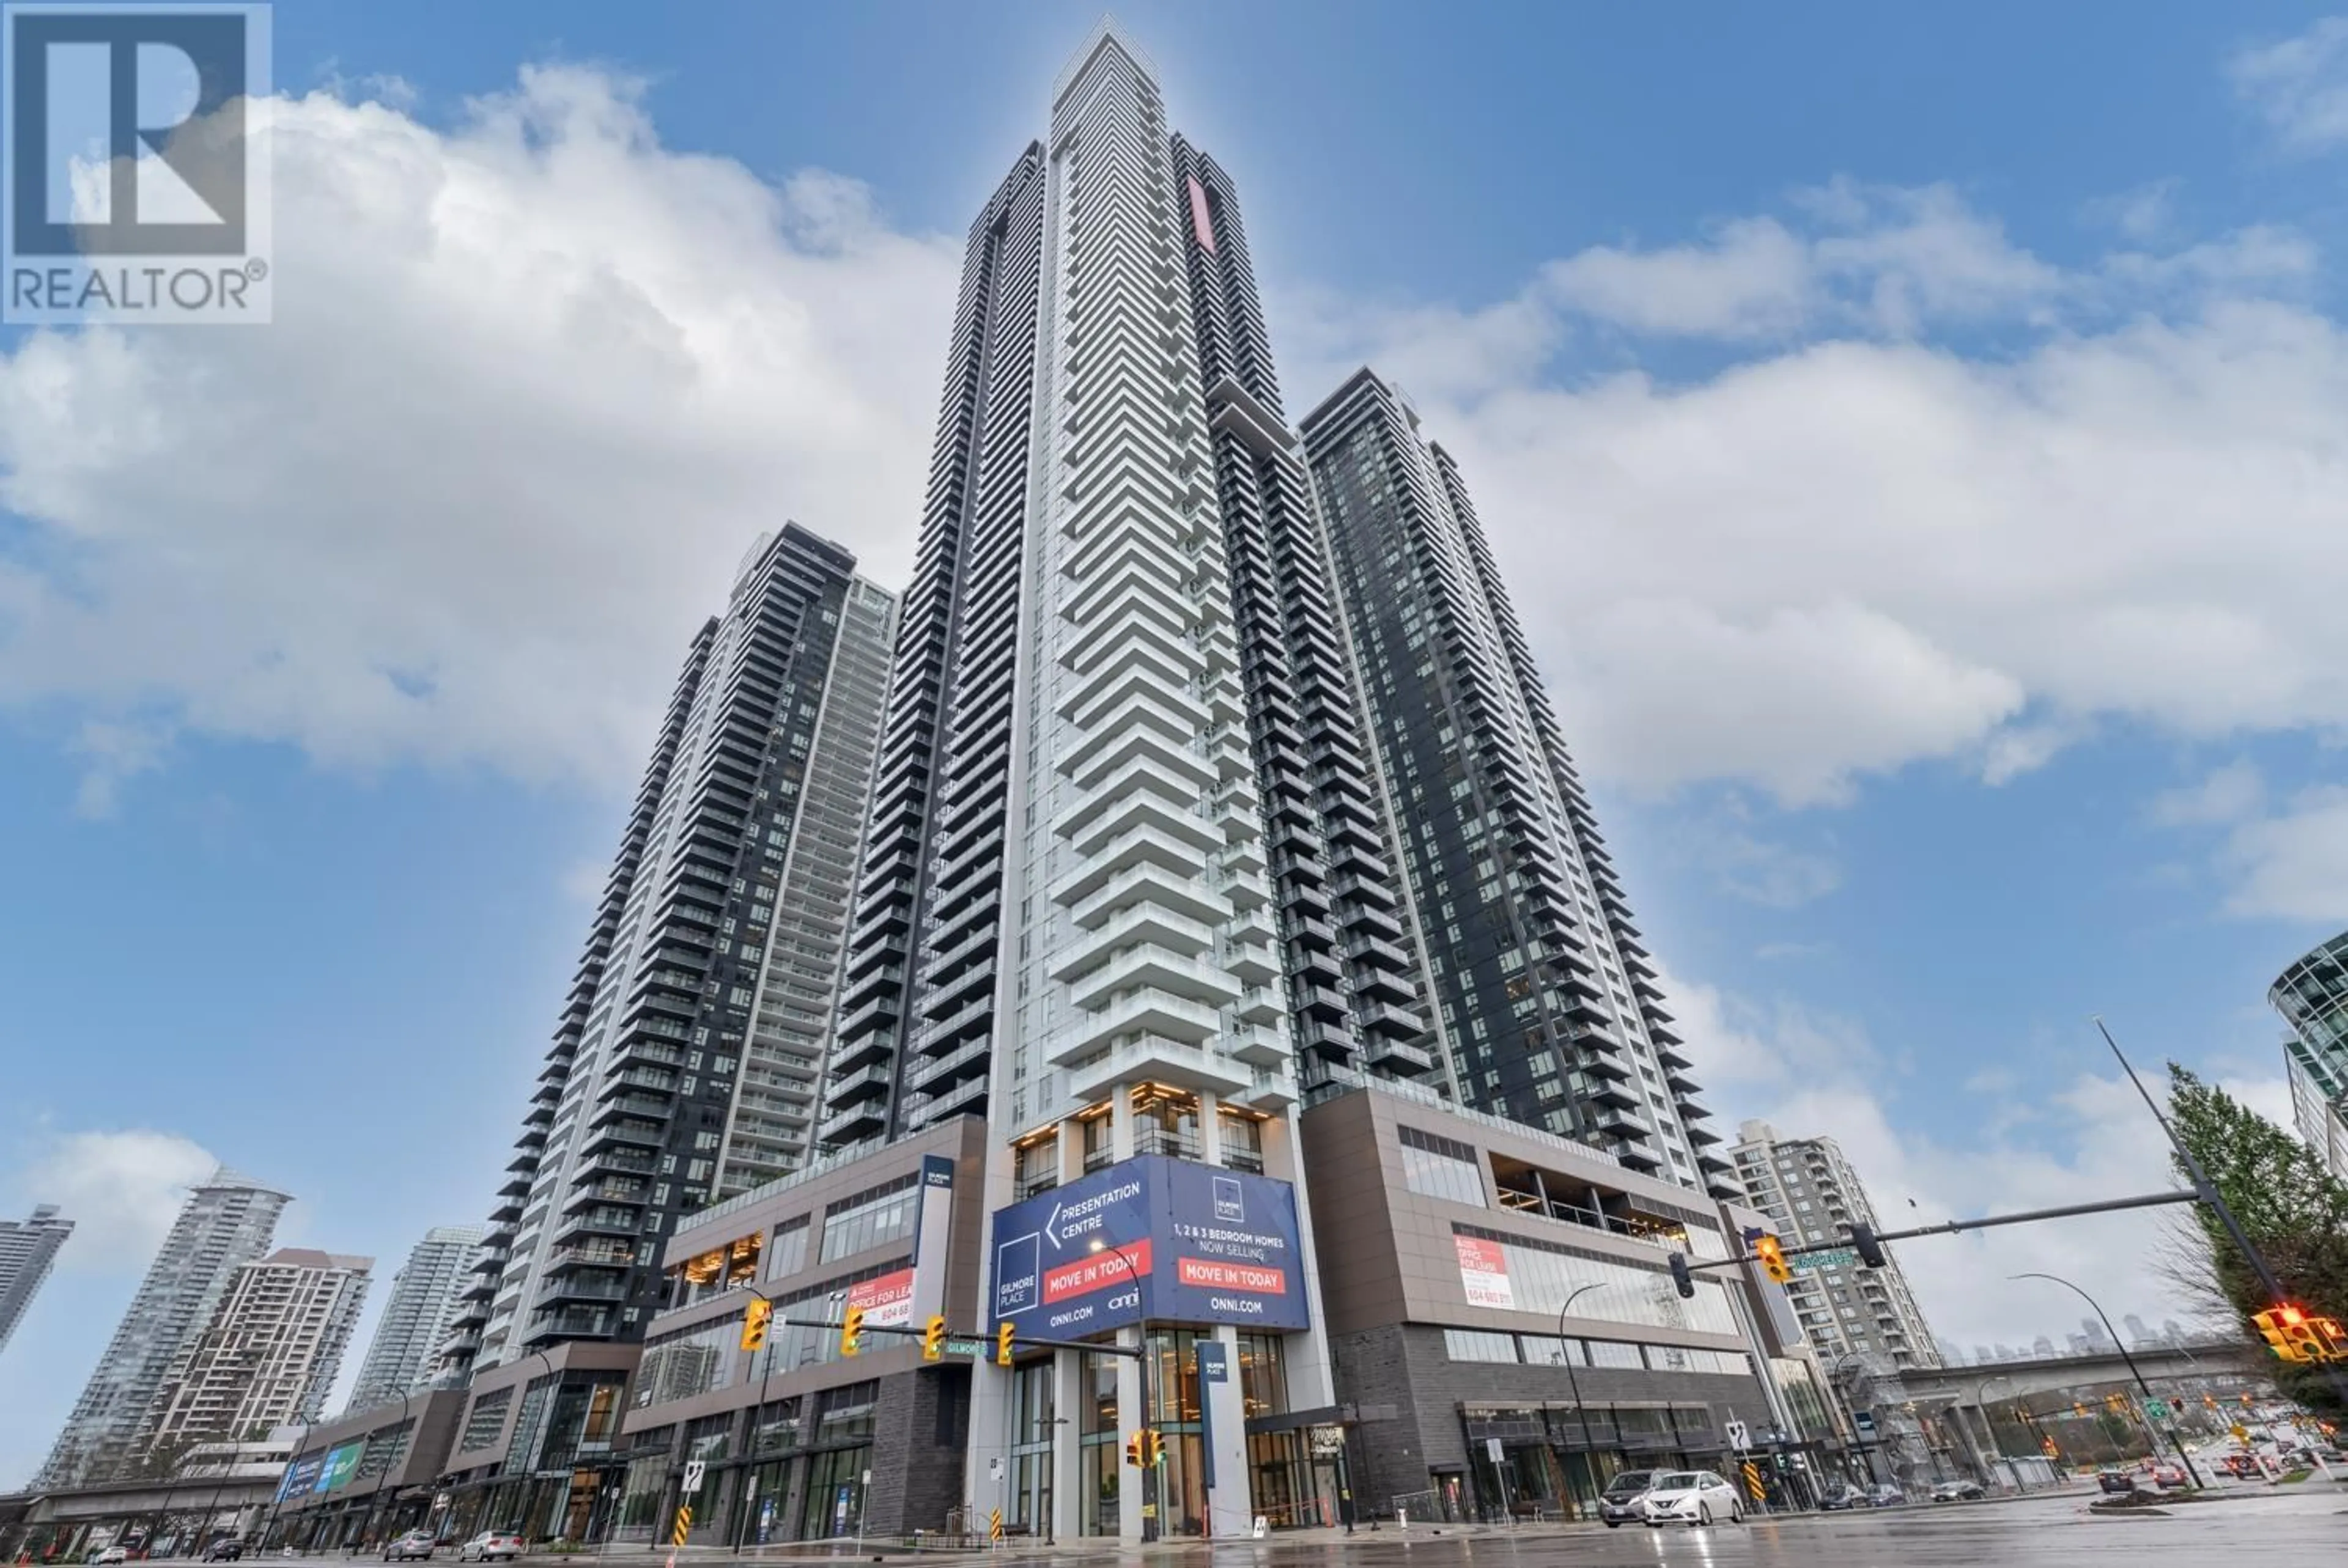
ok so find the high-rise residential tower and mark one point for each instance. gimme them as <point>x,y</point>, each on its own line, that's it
<point>1066,915</point>
<point>1812,1194</point>
<point>685,1064</point>
<point>424,1300</point>
<point>227,1220</point>
<point>27,1248</point>
<point>1548,1007</point>
<point>2312,996</point>
<point>268,1356</point>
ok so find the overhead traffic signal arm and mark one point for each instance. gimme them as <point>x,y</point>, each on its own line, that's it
<point>1868,1242</point>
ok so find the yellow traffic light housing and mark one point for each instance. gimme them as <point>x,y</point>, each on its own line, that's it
<point>1004,1335</point>
<point>1133,1451</point>
<point>756,1318</point>
<point>852,1331</point>
<point>2282,1326</point>
<point>1773,1260</point>
<point>934,1339</point>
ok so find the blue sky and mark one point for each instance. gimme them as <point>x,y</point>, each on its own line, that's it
<point>1915,443</point>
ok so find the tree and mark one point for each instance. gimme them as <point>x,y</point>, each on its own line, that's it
<point>2293,1211</point>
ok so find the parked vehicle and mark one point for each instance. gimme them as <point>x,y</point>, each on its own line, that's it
<point>1690,1497</point>
<point>227,1549</point>
<point>1883,1494</point>
<point>111,1555</point>
<point>415,1543</point>
<point>1619,1505</point>
<point>489,1546</point>
<point>1958,1492</point>
<point>1845,1497</point>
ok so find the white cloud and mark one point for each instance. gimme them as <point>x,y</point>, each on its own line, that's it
<point>1759,870</point>
<point>534,385</point>
<point>1809,1075</point>
<point>2226,794</point>
<point>2292,865</point>
<point>2143,215</point>
<point>2299,86</point>
<point>120,1188</point>
<point>1861,547</point>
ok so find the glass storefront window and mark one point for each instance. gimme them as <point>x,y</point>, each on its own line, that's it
<point>1242,1136</point>
<point>1099,1149</point>
<point>1263,1375</point>
<point>1437,1167</point>
<point>870,1219</point>
<point>790,1253</point>
<point>1036,1166</point>
<point>1543,1279</point>
<point>1165,1122</point>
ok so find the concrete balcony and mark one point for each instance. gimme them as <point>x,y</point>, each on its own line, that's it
<point>1147,844</point>
<point>1133,926</point>
<point>1258,1045</point>
<point>1158,1059</point>
<point>1251,963</point>
<point>1178,892</point>
<point>1147,966</point>
<point>854,1125</point>
<point>1134,799</point>
<point>1140,1012</point>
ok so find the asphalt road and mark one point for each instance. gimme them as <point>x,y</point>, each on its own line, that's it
<point>2306,1530</point>
<point>2282,1528</point>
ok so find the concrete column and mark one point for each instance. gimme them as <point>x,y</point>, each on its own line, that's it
<point>1231,1506</point>
<point>1130,1416</point>
<point>1068,1394</point>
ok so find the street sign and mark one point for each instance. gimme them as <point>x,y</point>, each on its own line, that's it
<point>994,1468</point>
<point>2157,1409</point>
<point>1739,1437</point>
<point>1492,1447</point>
<point>694,1471</point>
<point>968,1347</point>
<point>1840,1257</point>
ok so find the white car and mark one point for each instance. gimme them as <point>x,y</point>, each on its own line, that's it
<point>490,1546</point>
<point>1691,1497</point>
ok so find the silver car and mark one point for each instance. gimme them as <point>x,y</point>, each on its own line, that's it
<point>1691,1497</point>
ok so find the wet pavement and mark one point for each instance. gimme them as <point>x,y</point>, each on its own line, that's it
<point>2281,1529</point>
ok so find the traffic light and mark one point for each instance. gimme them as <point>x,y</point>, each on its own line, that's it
<point>1773,1258</point>
<point>1133,1451</point>
<point>1002,1336</point>
<point>1153,1447</point>
<point>2331,1338</point>
<point>2281,1327</point>
<point>1682,1280</point>
<point>1869,1250</point>
<point>852,1331</point>
<point>934,1339</point>
<point>755,1316</point>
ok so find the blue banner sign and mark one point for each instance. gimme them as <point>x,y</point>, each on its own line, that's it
<point>1150,1237</point>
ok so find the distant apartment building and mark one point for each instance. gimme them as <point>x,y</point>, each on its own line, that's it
<point>2312,996</point>
<point>27,1248</point>
<point>227,1221</point>
<point>1812,1195</point>
<point>424,1301</point>
<point>686,1065</point>
<point>270,1355</point>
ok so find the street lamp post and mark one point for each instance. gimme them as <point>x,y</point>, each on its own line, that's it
<point>2133,1371</point>
<point>1573,1381</point>
<point>1150,1522</point>
<point>1997,1448</point>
